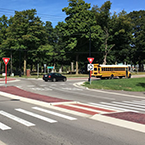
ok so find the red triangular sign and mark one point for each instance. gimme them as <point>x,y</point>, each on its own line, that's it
<point>90,59</point>
<point>6,60</point>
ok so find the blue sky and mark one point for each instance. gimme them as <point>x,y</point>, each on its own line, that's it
<point>51,10</point>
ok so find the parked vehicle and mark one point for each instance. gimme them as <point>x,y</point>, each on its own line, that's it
<point>54,77</point>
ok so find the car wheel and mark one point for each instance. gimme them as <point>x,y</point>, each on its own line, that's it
<point>54,79</point>
<point>64,79</point>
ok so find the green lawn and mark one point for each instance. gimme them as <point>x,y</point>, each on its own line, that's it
<point>133,84</point>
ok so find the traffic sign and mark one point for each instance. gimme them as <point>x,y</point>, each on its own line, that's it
<point>50,67</point>
<point>90,59</point>
<point>6,60</point>
<point>90,67</point>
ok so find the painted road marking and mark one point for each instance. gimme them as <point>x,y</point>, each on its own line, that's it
<point>17,119</point>
<point>124,106</point>
<point>72,89</point>
<point>36,115</point>
<point>4,127</point>
<point>112,107</point>
<point>30,85</point>
<point>134,106</point>
<point>42,89</point>
<point>55,113</point>
<point>136,102</point>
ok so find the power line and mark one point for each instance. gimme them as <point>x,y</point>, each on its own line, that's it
<point>9,11</point>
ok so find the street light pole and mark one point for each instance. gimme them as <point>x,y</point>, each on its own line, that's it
<point>89,80</point>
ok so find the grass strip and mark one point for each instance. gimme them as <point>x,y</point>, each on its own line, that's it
<point>133,84</point>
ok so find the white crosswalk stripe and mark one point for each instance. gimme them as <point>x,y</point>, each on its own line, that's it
<point>17,119</point>
<point>110,107</point>
<point>128,104</point>
<point>123,106</point>
<point>54,113</point>
<point>135,102</point>
<point>4,127</point>
<point>133,106</point>
<point>36,115</point>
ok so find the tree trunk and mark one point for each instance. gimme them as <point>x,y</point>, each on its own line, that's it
<point>24,63</point>
<point>105,57</point>
<point>106,46</point>
<point>11,64</point>
<point>77,56</point>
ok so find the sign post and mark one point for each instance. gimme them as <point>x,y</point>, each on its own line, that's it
<point>90,67</point>
<point>6,60</point>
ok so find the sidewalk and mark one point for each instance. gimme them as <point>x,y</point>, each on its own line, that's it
<point>21,93</point>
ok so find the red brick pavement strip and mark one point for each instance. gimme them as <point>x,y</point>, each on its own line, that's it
<point>8,79</point>
<point>22,93</point>
<point>95,108</point>
<point>77,109</point>
<point>129,116</point>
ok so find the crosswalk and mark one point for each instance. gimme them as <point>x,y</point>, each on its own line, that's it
<point>89,109</point>
<point>133,106</point>
<point>32,114</point>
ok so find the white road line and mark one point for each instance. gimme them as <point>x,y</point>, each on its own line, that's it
<point>4,127</point>
<point>30,85</point>
<point>43,85</point>
<point>140,103</point>
<point>124,106</point>
<point>129,104</point>
<point>112,107</point>
<point>36,115</point>
<point>55,113</point>
<point>17,119</point>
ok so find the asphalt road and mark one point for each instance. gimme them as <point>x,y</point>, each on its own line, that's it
<point>27,124</point>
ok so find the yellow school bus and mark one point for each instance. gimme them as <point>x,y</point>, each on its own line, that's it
<point>111,71</point>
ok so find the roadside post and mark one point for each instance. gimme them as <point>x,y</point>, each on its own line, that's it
<point>45,68</point>
<point>6,60</point>
<point>38,70</point>
<point>90,67</point>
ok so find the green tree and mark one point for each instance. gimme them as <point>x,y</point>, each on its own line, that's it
<point>114,28</point>
<point>80,23</point>
<point>138,31</point>
<point>25,33</point>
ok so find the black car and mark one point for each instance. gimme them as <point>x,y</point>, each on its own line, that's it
<point>54,77</point>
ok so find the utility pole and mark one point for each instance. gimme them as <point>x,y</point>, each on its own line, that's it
<point>89,80</point>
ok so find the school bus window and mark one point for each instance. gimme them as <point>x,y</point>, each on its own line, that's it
<point>95,69</point>
<point>98,69</point>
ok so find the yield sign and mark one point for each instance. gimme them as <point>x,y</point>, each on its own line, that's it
<point>90,59</point>
<point>6,60</point>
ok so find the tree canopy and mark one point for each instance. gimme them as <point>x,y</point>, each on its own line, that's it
<point>86,32</point>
